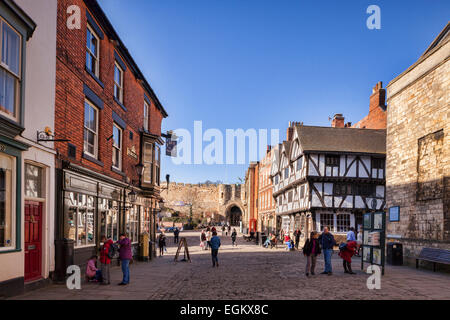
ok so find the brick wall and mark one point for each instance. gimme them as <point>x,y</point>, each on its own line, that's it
<point>69,106</point>
<point>376,119</point>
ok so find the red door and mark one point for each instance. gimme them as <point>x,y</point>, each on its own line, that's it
<point>33,240</point>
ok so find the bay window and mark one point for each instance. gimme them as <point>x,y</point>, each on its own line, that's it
<point>118,82</point>
<point>10,71</point>
<point>148,162</point>
<point>157,163</point>
<point>7,203</point>
<point>90,129</point>
<point>92,52</point>
<point>117,147</point>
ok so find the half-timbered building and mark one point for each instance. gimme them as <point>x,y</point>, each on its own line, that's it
<point>328,176</point>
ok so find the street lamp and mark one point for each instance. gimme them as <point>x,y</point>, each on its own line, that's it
<point>132,196</point>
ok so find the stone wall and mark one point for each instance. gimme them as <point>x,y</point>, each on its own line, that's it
<point>418,154</point>
<point>208,201</point>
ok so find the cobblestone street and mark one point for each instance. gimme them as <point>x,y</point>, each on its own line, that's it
<point>250,272</point>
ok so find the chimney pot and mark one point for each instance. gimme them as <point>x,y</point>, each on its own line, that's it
<point>338,121</point>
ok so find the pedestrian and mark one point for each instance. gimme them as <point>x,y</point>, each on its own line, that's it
<point>287,241</point>
<point>176,233</point>
<point>203,243</point>
<point>311,250</point>
<point>267,242</point>
<point>161,243</point>
<point>346,252</point>
<point>223,230</point>
<point>92,273</point>
<point>297,234</point>
<point>208,239</point>
<point>327,243</point>
<point>233,237</point>
<point>359,242</point>
<point>106,254</point>
<point>215,244</point>
<point>229,230</point>
<point>125,256</point>
<point>213,229</point>
<point>351,234</point>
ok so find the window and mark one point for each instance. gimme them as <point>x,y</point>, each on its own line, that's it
<point>299,164</point>
<point>327,220</point>
<point>92,50</point>
<point>302,192</point>
<point>157,163</point>
<point>117,147</point>
<point>286,173</point>
<point>342,189</point>
<point>109,218</point>
<point>10,71</point>
<point>145,220</point>
<point>7,204</point>
<point>79,223</point>
<point>280,200</point>
<point>377,163</point>
<point>342,222</point>
<point>276,179</point>
<point>33,181</point>
<point>132,223</point>
<point>90,129</point>
<point>290,196</point>
<point>118,83</point>
<point>365,190</point>
<point>148,162</point>
<point>145,116</point>
<point>332,161</point>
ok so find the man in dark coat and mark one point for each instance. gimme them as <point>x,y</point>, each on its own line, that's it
<point>327,242</point>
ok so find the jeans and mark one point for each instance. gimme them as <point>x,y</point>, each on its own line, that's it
<point>311,263</point>
<point>214,253</point>
<point>105,272</point>
<point>126,271</point>
<point>327,257</point>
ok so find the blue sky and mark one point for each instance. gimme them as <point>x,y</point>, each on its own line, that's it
<point>260,64</point>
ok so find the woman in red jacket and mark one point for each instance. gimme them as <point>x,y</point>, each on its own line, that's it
<point>105,260</point>
<point>347,254</point>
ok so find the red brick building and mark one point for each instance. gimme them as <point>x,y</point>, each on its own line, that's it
<point>108,174</point>
<point>266,205</point>
<point>376,119</point>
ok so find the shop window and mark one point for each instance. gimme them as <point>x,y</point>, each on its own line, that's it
<point>109,219</point>
<point>342,222</point>
<point>145,220</point>
<point>7,203</point>
<point>327,220</point>
<point>10,71</point>
<point>33,181</point>
<point>132,223</point>
<point>79,219</point>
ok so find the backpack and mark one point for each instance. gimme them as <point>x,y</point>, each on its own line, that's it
<point>112,251</point>
<point>342,246</point>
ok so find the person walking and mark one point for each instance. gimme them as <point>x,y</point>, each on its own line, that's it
<point>215,244</point>
<point>228,230</point>
<point>176,233</point>
<point>125,256</point>
<point>208,238</point>
<point>327,242</point>
<point>297,234</point>
<point>233,238</point>
<point>287,241</point>
<point>346,254</point>
<point>161,243</point>
<point>351,234</point>
<point>311,250</point>
<point>105,259</point>
<point>203,243</point>
<point>223,230</point>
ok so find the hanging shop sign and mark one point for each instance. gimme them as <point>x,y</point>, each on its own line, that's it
<point>171,147</point>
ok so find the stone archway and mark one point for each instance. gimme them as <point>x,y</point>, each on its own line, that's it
<point>233,214</point>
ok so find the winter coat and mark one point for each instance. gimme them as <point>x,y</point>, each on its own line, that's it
<point>348,252</point>
<point>104,252</point>
<point>307,248</point>
<point>215,242</point>
<point>234,235</point>
<point>327,241</point>
<point>125,249</point>
<point>91,269</point>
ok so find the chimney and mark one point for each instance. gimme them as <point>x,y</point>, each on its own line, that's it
<point>378,97</point>
<point>338,121</point>
<point>290,131</point>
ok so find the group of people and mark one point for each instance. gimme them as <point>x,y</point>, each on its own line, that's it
<point>272,240</point>
<point>210,240</point>
<point>325,243</point>
<point>107,253</point>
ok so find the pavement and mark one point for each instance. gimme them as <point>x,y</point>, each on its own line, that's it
<point>249,272</point>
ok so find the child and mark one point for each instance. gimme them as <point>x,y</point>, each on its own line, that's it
<point>92,273</point>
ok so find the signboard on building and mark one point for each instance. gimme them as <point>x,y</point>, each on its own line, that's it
<point>374,235</point>
<point>171,147</point>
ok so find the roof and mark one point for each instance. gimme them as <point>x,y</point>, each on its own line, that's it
<point>352,140</point>
<point>101,18</point>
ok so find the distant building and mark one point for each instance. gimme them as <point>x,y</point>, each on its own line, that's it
<point>418,151</point>
<point>266,203</point>
<point>250,217</point>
